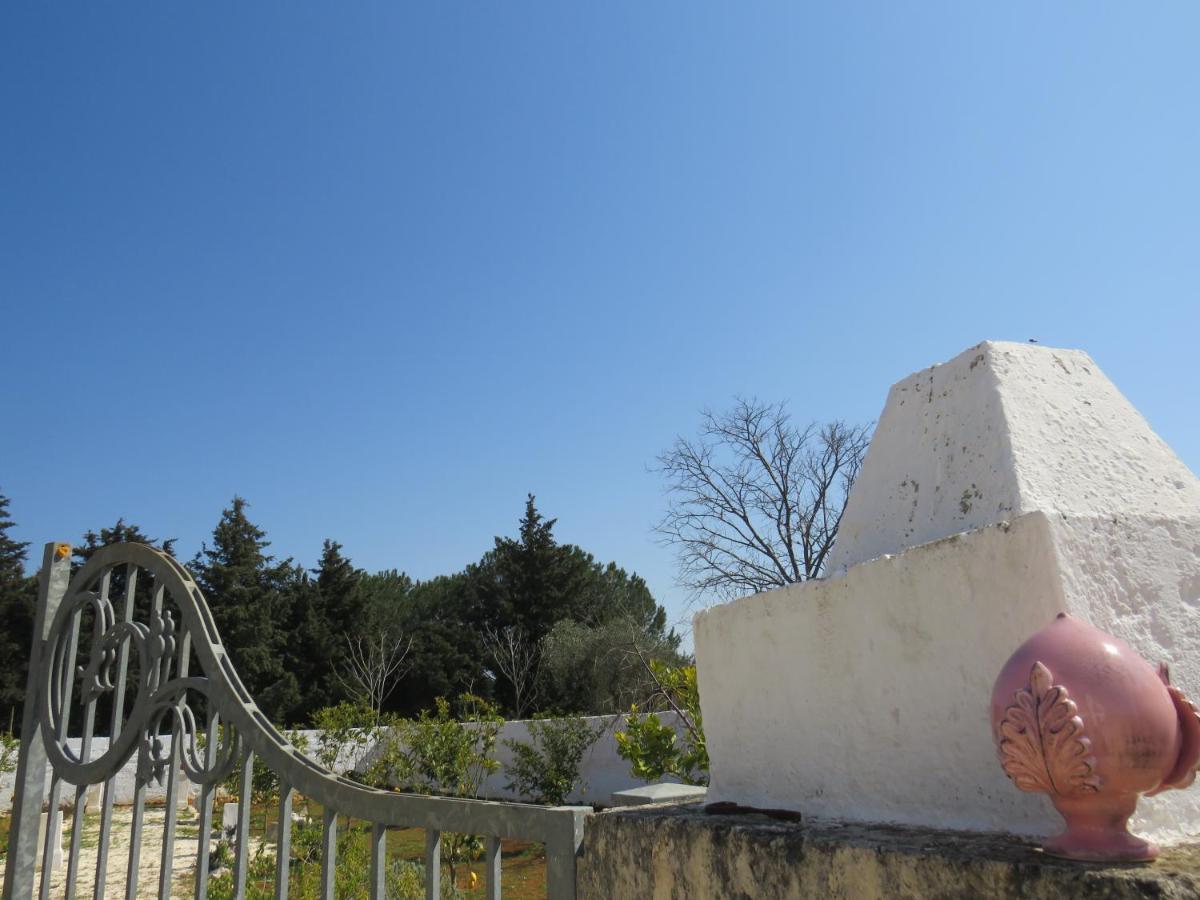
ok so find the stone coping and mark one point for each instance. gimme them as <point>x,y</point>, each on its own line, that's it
<point>680,851</point>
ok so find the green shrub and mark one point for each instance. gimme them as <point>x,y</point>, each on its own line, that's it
<point>653,748</point>
<point>547,767</point>
<point>446,755</point>
<point>439,753</point>
<point>346,724</point>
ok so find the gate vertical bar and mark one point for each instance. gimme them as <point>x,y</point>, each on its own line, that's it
<point>133,866</point>
<point>241,846</point>
<point>137,827</point>
<point>166,869</point>
<point>205,805</point>
<point>115,728</point>
<point>31,762</point>
<point>66,688</point>
<point>329,854</point>
<point>433,864</point>
<point>378,885</point>
<point>85,751</point>
<point>491,865</point>
<point>283,841</point>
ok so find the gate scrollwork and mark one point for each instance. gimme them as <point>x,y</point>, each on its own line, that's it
<point>146,658</point>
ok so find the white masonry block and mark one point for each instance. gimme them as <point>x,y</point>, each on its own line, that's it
<point>1003,487</point>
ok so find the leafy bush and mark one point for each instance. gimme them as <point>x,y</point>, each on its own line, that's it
<point>594,669</point>
<point>264,784</point>
<point>344,725</point>
<point>547,767</point>
<point>654,748</point>
<point>439,753</point>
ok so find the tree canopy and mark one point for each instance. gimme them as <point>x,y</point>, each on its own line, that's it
<point>252,599</point>
<point>18,595</point>
<point>295,634</point>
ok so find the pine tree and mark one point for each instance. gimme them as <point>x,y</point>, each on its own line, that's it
<point>330,610</point>
<point>446,658</point>
<point>18,597</point>
<point>117,534</point>
<point>252,599</point>
<point>532,583</point>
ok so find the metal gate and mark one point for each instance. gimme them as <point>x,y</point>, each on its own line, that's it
<point>131,634</point>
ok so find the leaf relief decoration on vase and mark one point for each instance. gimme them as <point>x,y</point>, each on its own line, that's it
<point>1043,744</point>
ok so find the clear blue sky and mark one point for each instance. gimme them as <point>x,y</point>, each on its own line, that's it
<point>382,268</point>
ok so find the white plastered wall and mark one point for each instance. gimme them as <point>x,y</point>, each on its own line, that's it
<point>865,696</point>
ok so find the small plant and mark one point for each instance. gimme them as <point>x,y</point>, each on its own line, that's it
<point>221,856</point>
<point>546,768</point>
<point>347,724</point>
<point>306,843</point>
<point>405,880</point>
<point>10,746</point>
<point>652,747</point>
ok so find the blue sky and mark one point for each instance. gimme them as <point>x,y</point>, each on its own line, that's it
<point>383,268</point>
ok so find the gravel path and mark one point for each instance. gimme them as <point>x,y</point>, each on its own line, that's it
<point>183,861</point>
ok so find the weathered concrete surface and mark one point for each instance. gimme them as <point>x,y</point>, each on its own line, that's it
<point>659,793</point>
<point>1000,431</point>
<point>679,852</point>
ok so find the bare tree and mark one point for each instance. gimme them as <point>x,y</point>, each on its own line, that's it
<point>373,665</point>
<point>519,659</point>
<point>755,501</point>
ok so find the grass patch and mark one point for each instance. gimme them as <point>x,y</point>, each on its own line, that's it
<point>523,863</point>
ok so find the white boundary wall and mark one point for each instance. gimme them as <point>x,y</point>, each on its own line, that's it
<point>603,771</point>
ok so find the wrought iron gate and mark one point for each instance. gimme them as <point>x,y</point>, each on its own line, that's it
<point>132,633</point>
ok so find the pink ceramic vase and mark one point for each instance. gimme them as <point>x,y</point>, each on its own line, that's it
<point>1078,715</point>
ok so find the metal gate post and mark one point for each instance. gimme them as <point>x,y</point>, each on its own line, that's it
<point>31,763</point>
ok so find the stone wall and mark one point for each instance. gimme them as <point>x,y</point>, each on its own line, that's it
<point>679,853</point>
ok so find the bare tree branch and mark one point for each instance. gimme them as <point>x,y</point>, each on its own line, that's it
<point>519,659</point>
<point>755,501</point>
<point>373,666</point>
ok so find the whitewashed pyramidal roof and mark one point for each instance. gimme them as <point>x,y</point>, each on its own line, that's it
<point>999,431</point>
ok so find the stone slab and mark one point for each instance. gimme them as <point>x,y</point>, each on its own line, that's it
<point>680,852</point>
<point>659,793</point>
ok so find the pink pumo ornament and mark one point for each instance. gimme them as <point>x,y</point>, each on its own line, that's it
<point>1078,715</point>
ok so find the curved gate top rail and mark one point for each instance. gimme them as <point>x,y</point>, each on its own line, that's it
<point>137,620</point>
